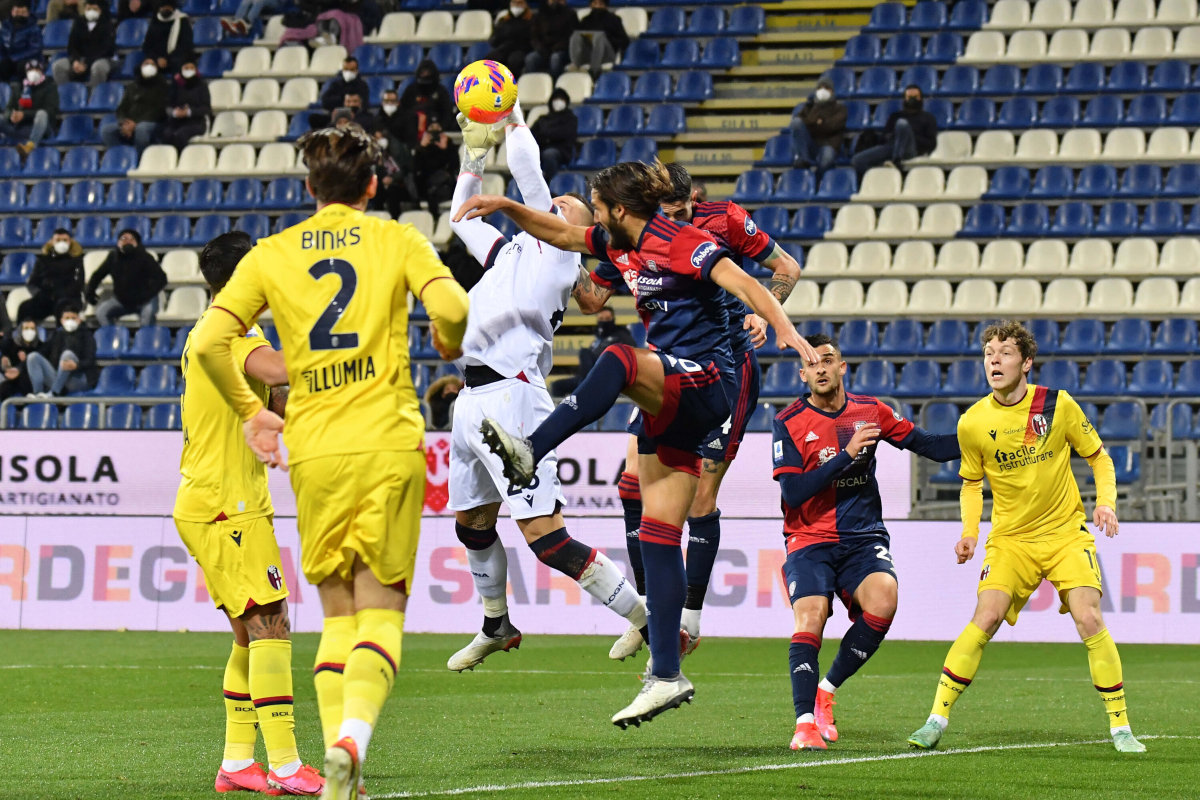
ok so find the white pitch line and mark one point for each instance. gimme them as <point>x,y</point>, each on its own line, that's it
<point>492,788</point>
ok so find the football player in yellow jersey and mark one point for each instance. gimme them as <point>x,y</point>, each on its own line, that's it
<point>1020,437</point>
<point>338,285</point>
<point>223,513</point>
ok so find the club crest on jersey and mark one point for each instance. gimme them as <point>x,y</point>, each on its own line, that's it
<point>701,253</point>
<point>750,227</point>
<point>826,455</point>
<point>859,425</point>
<point>1039,425</point>
<point>651,266</point>
<point>274,577</point>
<point>986,569</point>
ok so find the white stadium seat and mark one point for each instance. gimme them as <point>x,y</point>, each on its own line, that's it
<point>275,158</point>
<point>421,220</point>
<point>259,93</point>
<point>298,94</point>
<point>941,220</point>
<point>1066,296</point>
<point>886,296</point>
<point>995,146</point>
<point>1168,143</point>
<point>1187,42</point>
<point>1025,46</point>
<point>1136,257</point>
<point>1152,43</point>
<point>185,303</point>
<point>870,258</point>
<point>959,256</point>
<point>1189,297</point>
<point>924,183</point>
<point>930,296</point>
<point>577,85</point>
<point>268,126</point>
<point>951,146</point>
<point>898,220</point>
<point>882,183</point>
<point>235,159</point>
<point>853,221</point>
<point>1051,14</point>
<point>473,26</point>
<point>984,47</point>
<point>327,61</point>
<point>804,299</point>
<point>15,298</point>
<point>434,26</point>
<point>272,32</point>
<point>92,260</point>
<point>1123,144</point>
<point>1008,14</point>
<point>1091,255</point>
<point>1195,149</point>
<point>442,233</point>
<point>199,159</point>
<point>157,159</point>
<point>1037,145</point>
<point>229,125</point>
<point>966,183</point>
<point>915,258</point>
<point>398,26</point>
<point>1047,257</point>
<point>224,93</point>
<point>182,266</point>
<point>1111,296</point>
<point>1176,11</point>
<point>1179,255</point>
<point>975,296</point>
<point>289,61</point>
<point>1110,43</point>
<point>1002,256</point>
<point>534,88</point>
<point>1019,296</point>
<point>1091,13</point>
<point>1068,45</point>
<point>635,20</point>
<point>1080,144</point>
<point>1157,296</point>
<point>840,297</point>
<point>826,258</point>
<point>250,62</point>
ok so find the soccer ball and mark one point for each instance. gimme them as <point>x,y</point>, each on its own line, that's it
<point>485,91</point>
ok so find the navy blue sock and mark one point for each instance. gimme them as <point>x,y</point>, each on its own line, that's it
<point>704,538</point>
<point>558,550</point>
<point>802,656</point>
<point>631,504</point>
<point>858,645</point>
<point>666,582</point>
<point>615,369</point>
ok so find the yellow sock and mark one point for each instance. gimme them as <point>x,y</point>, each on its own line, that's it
<point>271,688</point>
<point>959,670</point>
<point>1105,664</point>
<point>337,639</point>
<point>370,672</point>
<point>241,723</point>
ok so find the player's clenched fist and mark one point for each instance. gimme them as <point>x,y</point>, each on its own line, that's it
<point>965,548</point>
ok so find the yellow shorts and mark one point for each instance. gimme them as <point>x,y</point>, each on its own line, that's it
<point>240,560</point>
<point>1017,567</point>
<point>362,506</point>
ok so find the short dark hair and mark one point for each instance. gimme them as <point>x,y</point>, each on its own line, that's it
<point>348,59</point>
<point>637,186</point>
<point>62,231</point>
<point>821,339</point>
<point>340,163</point>
<point>1015,332</point>
<point>920,91</point>
<point>132,232</point>
<point>681,184</point>
<point>70,306</point>
<point>221,256</point>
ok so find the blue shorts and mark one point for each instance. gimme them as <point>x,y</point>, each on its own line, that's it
<point>723,441</point>
<point>837,568</point>
<point>694,402</point>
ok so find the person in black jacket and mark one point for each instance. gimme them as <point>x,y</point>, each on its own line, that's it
<point>90,48</point>
<point>66,362</point>
<point>435,163</point>
<point>556,133</point>
<point>14,353</point>
<point>32,109</point>
<point>346,82</point>
<point>818,127</point>
<point>428,101</point>
<point>169,37</point>
<point>598,39</point>
<point>188,107</point>
<point>511,39</point>
<point>57,278</point>
<point>608,332</point>
<point>911,131</point>
<point>399,124</point>
<point>142,109</point>
<point>137,279</point>
<point>550,36</point>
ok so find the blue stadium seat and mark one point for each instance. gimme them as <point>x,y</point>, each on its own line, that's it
<point>448,57</point>
<point>475,52</point>
<point>782,379</point>
<point>1187,381</point>
<point>15,231</point>
<point>875,377</point>
<point>214,63</point>
<point>12,194</point>
<point>948,337</point>
<point>257,226</point>
<point>180,340</point>
<point>272,336</point>
<point>115,380</point>
<point>960,80</point>
<point>1029,220</point>
<point>680,54</point>
<point>123,195</point>
<point>291,218</point>
<point>94,232</point>
<point>921,75</point>
<point>862,49</point>
<point>1073,220</point>
<point>772,219</point>
<point>968,15</point>
<point>1119,218</point>
<point>137,222</point>
<point>112,341</point>
<point>208,228</point>
<point>116,160</point>
<point>877,81</point>
<point>842,79</point>
<point>201,195</point>
<point>1128,464</point>
<point>887,18</point>
<point>371,59</point>
<point>746,21</point>
<point>1085,77</point>
<point>666,22</point>
<point>46,226</point>
<point>651,87</point>
<point>753,186</point>
<point>940,418</point>
<point>901,337</point>
<point>1162,218</point>
<point>942,110</point>
<point>1096,180</point>
<point>243,193</point>
<point>810,222</point>
<point>639,149</point>
<point>10,161</point>
<point>777,152</point>
<point>928,15</point>
<point>171,230</point>
<point>616,419</point>
<point>1043,79</point>
<point>858,114</point>
<point>838,184</point>
<point>150,342</point>
<point>721,52</point>
<point>1060,374</point>
<point>964,378</point>
<point>39,416</point>
<point>1152,377</point>
<point>883,110</point>
<point>1146,111</point>
<point>376,86</point>
<point>42,163</point>
<point>566,182</point>
<point>76,129</point>
<point>1181,180</point>
<point>1181,420</point>
<point>105,97</point>
<point>947,473</point>
<point>795,186</point>
<point>167,193</point>
<point>130,63</point>
<point>1001,79</point>
<point>1008,183</point>
<point>131,32</point>
<point>1141,180</point>
<point>1192,226</point>
<point>1128,77</point>
<point>1052,181</point>
<point>403,59</point>
<point>975,112</point>
<point>284,193</point>
<point>859,337</point>
<point>55,34</point>
<point>1103,111</point>
<point>693,86</point>
<point>1058,112</point>
<point>16,267</point>
<point>918,379</point>
<point>1175,336</point>
<point>162,417</point>
<point>123,417</point>
<point>665,119</point>
<point>158,380</point>
<point>590,118</point>
<point>944,47</point>
<point>612,87</point>
<point>80,416</point>
<point>624,120</point>
<point>811,327</point>
<point>1045,332</point>
<point>1121,421</point>
<point>984,220</point>
<point>206,32</point>
<point>642,54</point>
<point>1130,336</point>
<point>763,418</point>
<point>902,48</point>
<point>596,154</point>
<point>1082,337</point>
<point>46,196</point>
<point>1170,76</point>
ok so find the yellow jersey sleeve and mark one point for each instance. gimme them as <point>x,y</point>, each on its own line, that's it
<point>1081,434</point>
<point>243,346</point>
<point>971,465</point>
<point>244,296</point>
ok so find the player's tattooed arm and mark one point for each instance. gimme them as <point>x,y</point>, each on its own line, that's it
<point>270,622</point>
<point>589,295</point>
<point>279,398</point>
<point>786,272</point>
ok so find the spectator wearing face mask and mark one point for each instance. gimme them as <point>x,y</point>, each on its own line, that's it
<point>550,37</point>
<point>598,39</point>
<point>435,163</point>
<point>66,362</point>
<point>142,109</point>
<point>817,129</point>
<point>57,277</point>
<point>608,332</point>
<point>90,48</point>
<point>911,131</point>
<point>168,38</point>
<point>14,353</point>
<point>188,107</point>
<point>20,40</point>
<point>556,133</point>
<point>137,279</point>
<point>399,124</point>
<point>428,101</point>
<point>511,39</point>
<point>32,109</point>
<point>346,82</point>
<point>64,9</point>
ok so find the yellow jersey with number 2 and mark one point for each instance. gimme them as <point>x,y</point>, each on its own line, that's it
<point>337,285</point>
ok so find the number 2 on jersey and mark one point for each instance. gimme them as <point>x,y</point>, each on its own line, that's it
<point>322,337</point>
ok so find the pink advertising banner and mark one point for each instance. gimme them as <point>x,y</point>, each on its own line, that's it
<point>132,572</point>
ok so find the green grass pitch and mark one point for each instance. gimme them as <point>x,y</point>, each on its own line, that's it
<point>139,715</point>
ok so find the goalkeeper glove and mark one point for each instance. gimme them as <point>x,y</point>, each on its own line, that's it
<point>479,138</point>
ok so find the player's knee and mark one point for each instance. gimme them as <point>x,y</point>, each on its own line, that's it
<point>268,621</point>
<point>1088,621</point>
<point>809,618</point>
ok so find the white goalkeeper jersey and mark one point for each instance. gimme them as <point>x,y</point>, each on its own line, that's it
<point>520,301</point>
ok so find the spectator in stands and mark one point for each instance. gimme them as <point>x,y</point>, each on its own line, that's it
<point>57,278</point>
<point>818,127</point>
<point>398,123</point>
<point>428,101</point>
<point>5,327</point>
<point>134,9</point>
<point>32,109</point>
<point>556,133</point>
<point>359,114</point>
<point>168,38</point>
<point>20,40</point>
<point>66,362</point>
<point>142,109</point>
<point>90,48</point>
<point>435,163</point>
<point>137,279</point>
<point>247,16</point>
<point>511,39</point>
<point>608,332</point>
<point>325,22</point>
<point>911,131</point>
<point>189,107</point>
<point>550,37</point>
<point>14,352</point>
<point>598,40</point>
<point>440,397</point>
<point>346,82</point>
<point>397,184</point>
<point>64,9</point>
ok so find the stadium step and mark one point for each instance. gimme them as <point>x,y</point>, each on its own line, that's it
<point>767,124</point>
<point>704,162</point>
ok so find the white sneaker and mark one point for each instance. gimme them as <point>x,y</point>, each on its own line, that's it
<point>482,646</point>
<point>686,646</point>
<point>516,453</point>
<point>657,695</point>
<point>630,642</point>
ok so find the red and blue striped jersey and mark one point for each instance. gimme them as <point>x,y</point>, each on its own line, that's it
<point>668,275</point>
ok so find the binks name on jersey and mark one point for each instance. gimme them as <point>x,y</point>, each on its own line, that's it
<point>329,240</point>
<point>338,375</point>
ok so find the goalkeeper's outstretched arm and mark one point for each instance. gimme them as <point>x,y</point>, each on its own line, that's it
<point>525,162</point>
<point>482,239</point>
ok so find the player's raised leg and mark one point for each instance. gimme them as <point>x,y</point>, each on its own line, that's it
<point>1104,662</point>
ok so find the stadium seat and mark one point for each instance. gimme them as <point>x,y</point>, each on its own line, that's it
<point>902,337</point>
<point>1151,378</point>
<point>774,220</point>
<point>86,161</point>
<point>943,47</point>
<point>595,154</point>
<point>666,22</point>
<point>1175,336</point>
<point>679,54</point>
<point>115,380</point>
<point>1096,181</point>
<point>1170,76</point>
<point>1180,426</point>
<point>39,416</point>
<point>1129,336</point>
<point>94,232</point>
<point>948,337</point>
<point>1187,380</point>
<point>887,18</point>
<point>1181,180</point>
<point>873,257</point>
<point>975,113</point>
<point>214,63</point>
<point>918,379</point>
<point>882,183</point>
<point>202,195</point>
<point>810,222</point>
<point>15,232</point>
<point>157,380</point>
<point>1121,421</point>
<point>1082,337</point>
<point>837,185</point>
<point>961,80</point>
<point>1009,183</point>
<point>171,230</point>
<point>590,120</point>
<point>862,49</point>
<point>721,53</point>
<point>755,186</point>
<point>1118,218</point>
<point>123,417</point>
<point>1102,111</point>
<point>1061,374</point>
<point>639,149</point>
<point>80,416</point>
<point>149,342</point>
<point>46,196</point>
<point>964,378</point>
<point>162,417</point>
<point>985,220</point>
<point>745,21</point>
<point>208,228</point>
<point>1072,220</point>
<point>781,380</point>
<point>1029,220</point>
<point>875,378</point>
<point>625,120</point>
<point>42,163</point>
<point>257,226</point>
<point>877,82</point>
<point>1046,333</point>
<point>1141,180</point>
<point>1162,218</point>
<point>112,341</point>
